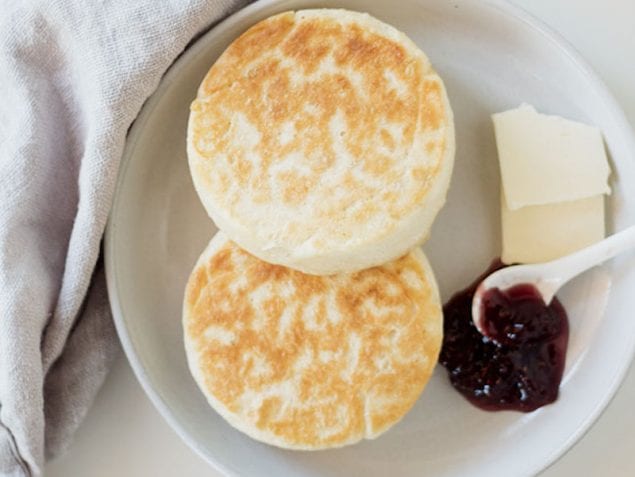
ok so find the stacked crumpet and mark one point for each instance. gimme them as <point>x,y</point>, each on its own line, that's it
<point>321,143</point>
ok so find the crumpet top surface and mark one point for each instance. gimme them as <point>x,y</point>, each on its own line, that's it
<point>318,131</point>
<point>308,362</point>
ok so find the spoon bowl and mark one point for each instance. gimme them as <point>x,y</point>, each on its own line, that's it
<point>549,277</point>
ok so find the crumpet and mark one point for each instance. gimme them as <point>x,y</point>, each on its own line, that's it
<point>310,362</point>
<point>322,140</point>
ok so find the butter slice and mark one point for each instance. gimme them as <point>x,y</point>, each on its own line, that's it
<point>547,159</point>
<point>540,233</point>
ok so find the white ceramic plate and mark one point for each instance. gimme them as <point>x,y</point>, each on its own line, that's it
<point>492,57</point>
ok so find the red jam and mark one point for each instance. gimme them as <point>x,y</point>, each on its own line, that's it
<point>519,365</point>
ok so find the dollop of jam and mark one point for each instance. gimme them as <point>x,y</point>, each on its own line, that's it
<point>519,365</point>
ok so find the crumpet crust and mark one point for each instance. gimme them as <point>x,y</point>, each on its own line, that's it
<point>310,362</point>
<point>322,140</point>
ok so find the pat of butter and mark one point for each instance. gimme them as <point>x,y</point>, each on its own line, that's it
<point>540,233</point>
<point>547,159</point>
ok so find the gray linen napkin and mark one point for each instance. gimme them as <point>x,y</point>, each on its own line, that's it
<point>73,76</point>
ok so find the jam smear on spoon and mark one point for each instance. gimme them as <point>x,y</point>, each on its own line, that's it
<point>519,364</point>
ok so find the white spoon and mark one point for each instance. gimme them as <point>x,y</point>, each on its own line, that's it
<point>548,277</point>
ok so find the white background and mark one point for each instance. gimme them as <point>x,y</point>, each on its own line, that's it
<point>124,435</point>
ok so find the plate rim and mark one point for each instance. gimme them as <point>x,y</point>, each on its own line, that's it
<point>534,23</point>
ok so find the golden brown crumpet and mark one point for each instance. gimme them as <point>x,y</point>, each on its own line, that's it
<point>322,140</point>
<point>310,362</point>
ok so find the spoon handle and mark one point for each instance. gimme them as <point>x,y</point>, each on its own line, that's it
<point>568,267</point>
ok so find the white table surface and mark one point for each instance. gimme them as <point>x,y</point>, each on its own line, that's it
<point>123,435</point>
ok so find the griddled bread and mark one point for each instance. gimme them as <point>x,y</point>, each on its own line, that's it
<point>310,362</point>
<point>322,140</point>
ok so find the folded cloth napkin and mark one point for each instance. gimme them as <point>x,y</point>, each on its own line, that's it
<point>73,76</point>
